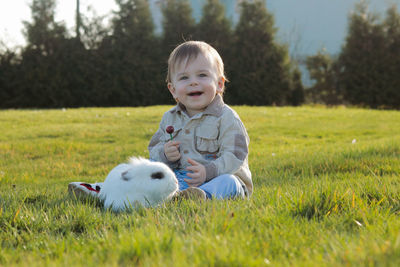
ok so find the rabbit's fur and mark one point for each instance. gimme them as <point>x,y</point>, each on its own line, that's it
<point>139,182</point>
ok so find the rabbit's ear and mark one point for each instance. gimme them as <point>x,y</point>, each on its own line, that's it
<point>124,176</point>
<point>135,160</point>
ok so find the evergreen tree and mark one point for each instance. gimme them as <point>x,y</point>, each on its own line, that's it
<point>93,30</point>
<point>296,96</point>
<point>43,32</point>
<point>131,58</point>
<point>323,70</point>
<point>392,63</point>
<point>260,70</point>
<point>214,28</point>
<point>178,24</point>
<point>9,78</point>
<point>362,59</point>
<point>40,67</point>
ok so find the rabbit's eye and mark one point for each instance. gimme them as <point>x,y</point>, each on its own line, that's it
<point>124,177</point>
<point>157,175</point>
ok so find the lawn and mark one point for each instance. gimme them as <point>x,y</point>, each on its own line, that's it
<point>327,192</point>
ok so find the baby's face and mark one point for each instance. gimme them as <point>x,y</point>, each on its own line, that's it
<point>195,84</point>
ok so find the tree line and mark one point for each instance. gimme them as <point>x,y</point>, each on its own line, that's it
<point>366,71</point>
<point>124,64</point>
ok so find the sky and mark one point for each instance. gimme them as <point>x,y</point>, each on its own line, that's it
<point>308,25</point>
<point>13,12</point>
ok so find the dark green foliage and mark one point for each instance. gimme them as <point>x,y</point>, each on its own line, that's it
<point>9,79</point>
<point>44,33</point>
<point>178,24</point>
<point>296,96</point>
<point>362,59</point>
<point>392,29</point>
<point>125,64</point>
<point>131,59</point>
<point>260,70</point>
<point>323,70</point>
<point>369,61</point>
<point>45,60</point>
<point>214,28</point>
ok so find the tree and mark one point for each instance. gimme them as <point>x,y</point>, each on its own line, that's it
<point>260,73</point>
<point>9,77</point>
<point>178,24</point>
<point>392,62</point>
<point>322,69</point>
<point>43,32</point>
<point>41,75</point>
<point>93,29</point>
<point>214,28</point>
<point>296,96</point>
<point>362,59</point>
<point>131,58</point>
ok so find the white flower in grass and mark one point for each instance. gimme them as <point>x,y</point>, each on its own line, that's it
<point>358,223</point>
<point>273,154</point>
<point>354,141</point>
<point>128,114</point>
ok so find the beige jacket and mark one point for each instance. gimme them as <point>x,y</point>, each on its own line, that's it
<point>215,138</point>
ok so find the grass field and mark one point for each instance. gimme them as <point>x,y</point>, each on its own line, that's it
<point>327,192</point>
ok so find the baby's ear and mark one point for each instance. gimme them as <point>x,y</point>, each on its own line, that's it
<point>221,85</point>
<point>171,89</point>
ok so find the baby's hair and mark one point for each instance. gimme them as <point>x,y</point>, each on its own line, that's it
<point>188,51</point>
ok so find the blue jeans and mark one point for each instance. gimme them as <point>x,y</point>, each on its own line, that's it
<point>221,187</point>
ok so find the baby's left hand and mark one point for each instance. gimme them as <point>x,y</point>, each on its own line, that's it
<point>198,174</point>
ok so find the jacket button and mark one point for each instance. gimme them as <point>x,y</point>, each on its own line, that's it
<point>187,131</point>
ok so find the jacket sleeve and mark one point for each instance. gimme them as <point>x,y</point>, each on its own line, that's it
<point>156,146</point>
<point>233,148</point>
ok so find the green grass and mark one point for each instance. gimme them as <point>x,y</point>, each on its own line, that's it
<point>319,198</point>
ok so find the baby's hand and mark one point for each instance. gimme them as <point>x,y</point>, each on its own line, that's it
<point>198,174</point>
<point>171,151</point>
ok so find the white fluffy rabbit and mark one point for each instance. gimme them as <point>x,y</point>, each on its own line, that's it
<point>141,181</point>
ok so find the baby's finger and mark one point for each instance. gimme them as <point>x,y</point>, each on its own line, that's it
<point>192,168</point>
<point>193,162</point>
<point>172,149</point>
<point>193,175</point>
<point>190,182</point>
<point>174,158</point>
<point>174,143</point>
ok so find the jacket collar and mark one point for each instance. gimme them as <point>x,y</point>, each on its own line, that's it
<point>214,109</point>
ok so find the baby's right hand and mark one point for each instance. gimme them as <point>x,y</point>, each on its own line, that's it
<point>171,151</point>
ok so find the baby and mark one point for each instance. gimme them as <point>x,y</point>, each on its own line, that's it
<point>208,148</point>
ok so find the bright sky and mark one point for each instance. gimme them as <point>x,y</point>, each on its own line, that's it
<point>13,12</point>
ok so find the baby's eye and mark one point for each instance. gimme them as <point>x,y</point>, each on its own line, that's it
<point>182,78</point>
<point>203,75</point>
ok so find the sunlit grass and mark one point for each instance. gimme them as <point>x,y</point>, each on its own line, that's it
<point>327,192</point>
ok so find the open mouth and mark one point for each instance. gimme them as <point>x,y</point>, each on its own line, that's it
<point>195,93</point>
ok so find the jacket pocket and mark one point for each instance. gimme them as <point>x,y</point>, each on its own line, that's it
<point>206,139</point>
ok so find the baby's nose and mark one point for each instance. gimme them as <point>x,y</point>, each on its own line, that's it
<point>193,82</point>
